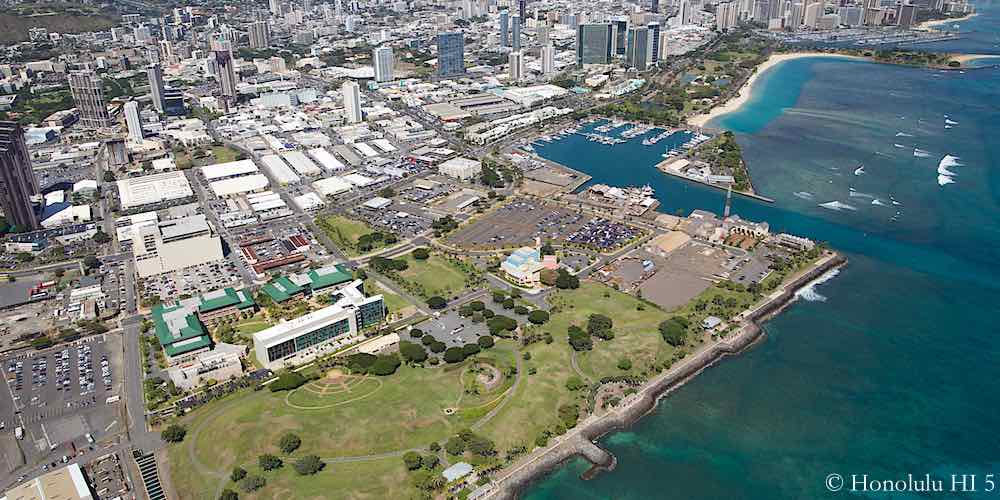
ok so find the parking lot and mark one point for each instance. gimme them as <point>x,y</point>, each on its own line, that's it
<point>192,281</point>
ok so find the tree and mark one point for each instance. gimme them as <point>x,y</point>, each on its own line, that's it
<point>538,316</point>
<point>412,460</point>
<point>624,364</point>
<point>430,461</point>
<point>480,445</point>
<point>237,474</point>
<point>477,305</point>
<point>455,446</point>
<point>387,192</point>
<point>420,253</point>
<point>269,462</point>
<point>411,352</point>
<point>174,433</point>
<point>485,341</point>
<point>566,281</point>
<point>250,484</point>
<point>579,339</point>
<point>599,326</point>
<point>417,333</point>
<point>548,249</point>
<point>575,383</point>
<point>454,355</point>
<point>437,347</point>
<point>287,381</point>
<point>427,339</point>
<point>91,262</point>
<point>437,302</point>
<point>674,331</point>
<point>308,465</point>
<point>548,277</point>
<point>289,443</point>
<point>522,310</point>
<point>568,415</point>
<point>470,349</point>
<point>500,324</point>
<point>228,494</point>
<point>361,362</point>
<point>100,237</point>
<point>385,365</point>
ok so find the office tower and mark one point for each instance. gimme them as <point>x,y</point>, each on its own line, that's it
<point>593,44</point>
<point>154,73</point>
<point>339,8</point>
<point>274,6</point>
<point>776,9</point>
<point>133,122</point>
<point>761,8</point>
<point>382,60</point>
<point>17,180</point>
<point>88,94</point>
<point>873,14</point>
<point>654,6</point>
<point>906,16</point>
<point>542,35</point>
<point>795,16</point>
<point>520,10</point>
<point>260,35</point>
<point>548,59</point>
<point>166,51</point>
<point>638,51</point>
<point>451,53</point>
<point>225,72</point>
<point>352,102</point>
<point>515,42</point>
<point>851,16</point>
<point>684,13</point>
<point>654,36</point>
<point>619,30</point>
<point>745,9</point>
<point>504,28</point>
<point>727,15</point>
<point>812,13</point>
<point>516,62</point>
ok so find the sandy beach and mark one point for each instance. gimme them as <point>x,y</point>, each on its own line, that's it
<point>745,91</point>
<point>929,25</point>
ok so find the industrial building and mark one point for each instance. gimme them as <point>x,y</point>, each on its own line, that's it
<point>236,186</point>
<point>302,339</point>
<point>67,483</point>
<point>174,245</point>
<point>461,168</point>
<point>157,188</point>
<point>280,170</point>
<point>332,186</point>
<point>229,169</point>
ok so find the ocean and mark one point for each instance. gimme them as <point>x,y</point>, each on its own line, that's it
<point>889,368</point>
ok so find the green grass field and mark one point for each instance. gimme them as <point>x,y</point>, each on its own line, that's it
<point>343,232</point>
<point>379,415</point>
<point>434,276</point>
<point>393,301</point>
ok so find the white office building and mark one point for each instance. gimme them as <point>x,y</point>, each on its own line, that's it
<point>133,122</point>
<point>461,168</point>
<point>352,102</point>
<point>174,245</point>
<point>382,60</point>
<point>302,339</point>
<point>156,188</point>
<point>548,59</point>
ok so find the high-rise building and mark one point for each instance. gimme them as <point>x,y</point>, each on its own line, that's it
<point>133,122</point>
<point>639,49</point>
<point>154,73</point>
<point>88,94</point>
<point>542,35</point>
<point>654,36</point>
<point>451,53</point>
<point>520,10</point>
<point>906,15</point>
<point>504,28</point>
<point>515,42</point>
<point>776,9</point>
<point>851,16</point>
<point>548,59</point>
<point>593,44</point>
<point>382,60</point>
<point>17,180</point>
<point>516,62</point>
<point>812,13</point>
<point>796,14</point>
<point>654,6</point>
<point>260,35</point>
<point>619,30</point>
<point>727,15</point>
<point>274,6</point>
<point>684,13</point>
<point>352,102</point>
<point>225,72</point>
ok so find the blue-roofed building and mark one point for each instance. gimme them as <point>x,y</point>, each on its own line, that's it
<point>523,267</point>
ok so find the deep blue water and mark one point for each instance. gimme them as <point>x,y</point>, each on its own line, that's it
<point>893,370</point>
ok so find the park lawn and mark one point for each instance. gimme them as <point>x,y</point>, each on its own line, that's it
<point>343,232</point>
<point>406,412</point>
<point>393,301</point>
<point>224,154</point>
<point>252,325</point>
<point>434,276</point>
<point>371,479</point>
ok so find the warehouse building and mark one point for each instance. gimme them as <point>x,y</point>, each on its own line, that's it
<point>157,188</point>
<point>236,186</point>
<point>280,170</point>
<point>332,186</point>
<point>301,163</point>
<point>229,169</point>
<point>174,245</point>
<point>302,339</point>
<point>326,160</point>
<point>461,168</point>
<point>67,483</point>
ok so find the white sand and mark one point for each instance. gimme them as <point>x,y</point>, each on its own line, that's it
<point>929,25</point>
<point>743,94</point>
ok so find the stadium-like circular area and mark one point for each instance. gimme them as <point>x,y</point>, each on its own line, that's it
<point>335,389</point>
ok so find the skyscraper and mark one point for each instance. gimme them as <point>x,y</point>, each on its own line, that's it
<point>516,61</point>
<point>639,50</point>
<point>154,73</point>
<point>520,10</point>
<point>504,28</point>
<point>593,44</point>
<point>654,6</point>
<point>17,180</point>
<point>382,60</point>
<point>451,53</point>
<point>88,94</point>
<point>654,36</point>
<point>548,59</point>
<point>515,42</point>
<point>133,122</point>
<point>812,13</point>
<point>726,15</point>
<point>352,102</point>
<point>619,31</point>
<point>225,72</point>
<point>542,35</point>
<point>906,16</point>
<point>260,35</point>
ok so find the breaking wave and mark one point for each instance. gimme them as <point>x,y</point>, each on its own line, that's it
<point>809,292</point>
<point>805,195</point>
<point>920,153</point>
<point>837,206</point>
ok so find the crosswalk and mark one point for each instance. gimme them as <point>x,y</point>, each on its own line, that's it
<point>150,476</point>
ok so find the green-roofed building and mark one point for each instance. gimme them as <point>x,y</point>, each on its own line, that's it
<point>180,326</point>
<point>302,284</point>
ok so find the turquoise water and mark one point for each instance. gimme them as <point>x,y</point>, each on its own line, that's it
<point>890,368</point>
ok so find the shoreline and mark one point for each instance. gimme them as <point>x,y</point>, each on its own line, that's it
<point>580,442</point>
<point>929,25</point>
<point>746,90</point>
